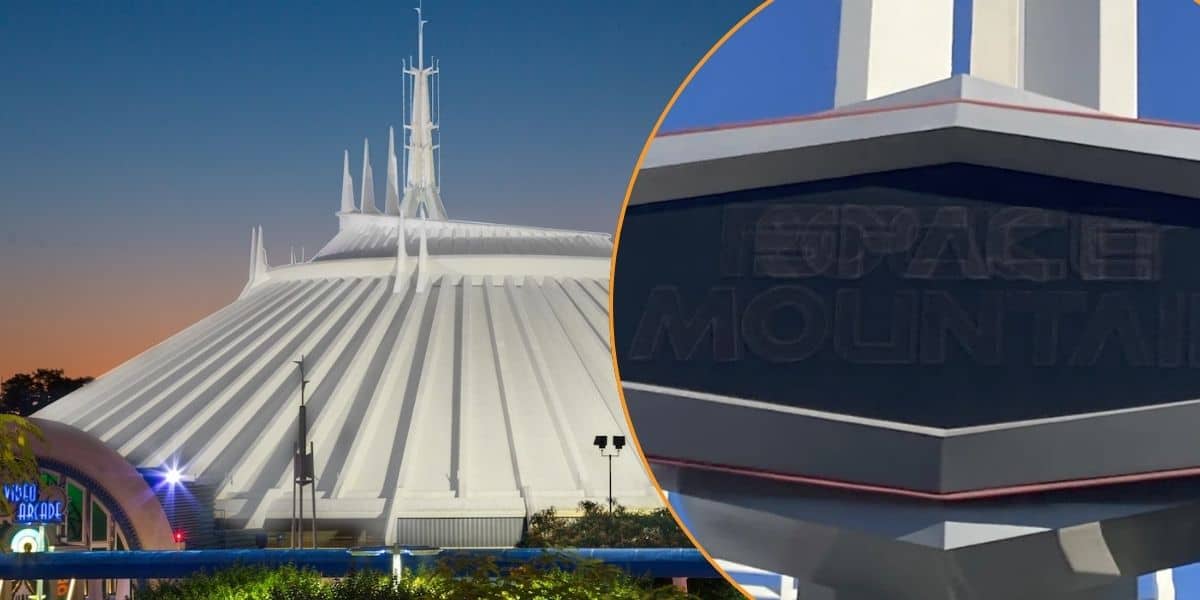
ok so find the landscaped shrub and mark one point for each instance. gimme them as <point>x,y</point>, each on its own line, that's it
<point>713,589</point>
<point>244,583</point>
<point>596,528</point>
<point>552,577</point>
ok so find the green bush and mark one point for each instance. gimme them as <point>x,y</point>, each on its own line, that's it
<point>244,583</point>
<point>552,577</point>
<point>596,528</point>
<point>713,589</point>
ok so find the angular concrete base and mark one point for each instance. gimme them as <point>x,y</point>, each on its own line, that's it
<point>1125,590</point>
<point>1081,544</point>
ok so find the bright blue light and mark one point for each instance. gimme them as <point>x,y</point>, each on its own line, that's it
<point>173,476</point>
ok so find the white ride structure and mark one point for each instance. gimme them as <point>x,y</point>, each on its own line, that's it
<point>459,372</point>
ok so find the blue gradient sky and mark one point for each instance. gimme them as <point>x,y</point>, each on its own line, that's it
<point>140,141</point>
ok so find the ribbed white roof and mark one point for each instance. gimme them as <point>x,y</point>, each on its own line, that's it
<point>476,396</point>
<point>372,236</point>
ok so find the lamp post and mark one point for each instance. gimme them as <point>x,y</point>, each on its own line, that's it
<point>302,470</point>
<point>601,442</point>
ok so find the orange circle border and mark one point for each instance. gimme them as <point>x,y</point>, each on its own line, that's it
<point>637,167</point>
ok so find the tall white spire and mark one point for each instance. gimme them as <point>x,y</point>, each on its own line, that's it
<point>422,195</point>
<point>391,204</point>
<point>258,260</point>
<point>260,265</point>
<point>253,254</point>
<point>368,183</point>
<point>347,185</point>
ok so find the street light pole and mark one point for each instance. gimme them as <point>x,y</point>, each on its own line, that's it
<point>302,475</point>
<point>610,494</point>
<point>618,442</point>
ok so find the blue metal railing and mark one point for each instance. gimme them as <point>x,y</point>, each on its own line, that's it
<point>641,562</point>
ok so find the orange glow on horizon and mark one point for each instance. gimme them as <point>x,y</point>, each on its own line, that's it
<point>87,324</point>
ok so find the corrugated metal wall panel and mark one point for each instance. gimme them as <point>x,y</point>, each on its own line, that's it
<point>461,532</point>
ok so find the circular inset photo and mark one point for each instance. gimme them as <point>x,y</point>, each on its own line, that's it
<point>905,303</point>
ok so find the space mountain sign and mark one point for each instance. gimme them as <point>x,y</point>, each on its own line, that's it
<point>35,505</point>
<point>929,258</point>
<point>933,309</point>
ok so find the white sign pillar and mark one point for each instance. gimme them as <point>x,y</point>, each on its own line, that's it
<point>997,40</point>
<point>1164,585</point>
<point>1081,51</point>
<point>887,46</point>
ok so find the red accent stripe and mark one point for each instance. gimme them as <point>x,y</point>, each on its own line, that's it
<point>943,496</point>
<point>821,116</point>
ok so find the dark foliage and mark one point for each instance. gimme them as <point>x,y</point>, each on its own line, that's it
<point>548,579</point>
<point>596,528</point>
<point>26,393</point>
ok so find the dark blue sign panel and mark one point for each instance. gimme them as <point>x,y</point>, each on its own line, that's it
<point>947,296</point>
<point>30,507</point>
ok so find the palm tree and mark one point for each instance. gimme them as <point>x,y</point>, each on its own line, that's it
<point>17,462</point>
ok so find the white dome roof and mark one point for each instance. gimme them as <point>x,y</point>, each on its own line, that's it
<point>471,390</point>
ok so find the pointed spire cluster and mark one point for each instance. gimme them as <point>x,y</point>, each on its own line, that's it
<point>421,194</point>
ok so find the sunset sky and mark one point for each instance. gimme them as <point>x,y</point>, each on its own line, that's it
<point>139,142</point>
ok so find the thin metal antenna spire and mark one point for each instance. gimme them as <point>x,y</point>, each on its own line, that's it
<point>437,119</point>
<point>404,121</point>
<point>420,37</point>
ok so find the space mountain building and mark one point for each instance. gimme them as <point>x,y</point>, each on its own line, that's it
<point>457,373</point>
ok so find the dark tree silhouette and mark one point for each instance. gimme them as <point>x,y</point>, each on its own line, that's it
<point>26,393</point>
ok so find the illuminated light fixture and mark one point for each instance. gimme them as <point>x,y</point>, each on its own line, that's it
<point>178,536</point>
<point>27,540</point>
<point>173,476</point>
<point>601,442</point>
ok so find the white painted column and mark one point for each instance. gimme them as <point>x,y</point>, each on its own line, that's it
<point>887,46</point>
<point>997,40</point>
<point>1081,51</point>
<point>787,588</point>
<point>1164,585</point>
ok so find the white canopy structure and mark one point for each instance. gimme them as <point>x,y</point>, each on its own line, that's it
<point>458,373</point>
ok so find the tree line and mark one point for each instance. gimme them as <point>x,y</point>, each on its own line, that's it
<point>26,393</point>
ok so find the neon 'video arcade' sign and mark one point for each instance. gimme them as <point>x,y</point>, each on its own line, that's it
<point>30,506</point>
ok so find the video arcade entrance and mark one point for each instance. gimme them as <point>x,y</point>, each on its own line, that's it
<point>87,498</point>
<point>62,513</point>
